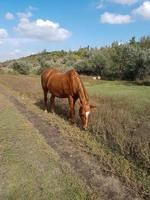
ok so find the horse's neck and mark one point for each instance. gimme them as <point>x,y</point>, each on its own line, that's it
<point>82,93</point>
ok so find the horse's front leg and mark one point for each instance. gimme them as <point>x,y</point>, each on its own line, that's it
<point>52,103</point>
<point>71,109</point>
<point>45,99</point>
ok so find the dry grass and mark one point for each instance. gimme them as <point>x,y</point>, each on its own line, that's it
<point>118,125</point>
<point>119,129</point>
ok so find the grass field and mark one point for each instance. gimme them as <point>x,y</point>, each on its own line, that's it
<point>129,90</point>
<point>118,135</point>
<point>29,168</point>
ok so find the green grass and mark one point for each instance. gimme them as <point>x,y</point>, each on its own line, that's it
<point>140,94</point>
<point>29,168</point>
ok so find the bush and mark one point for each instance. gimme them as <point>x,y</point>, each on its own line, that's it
<point>43,65</point>
<point>85,67</point>
<point>22,67</point>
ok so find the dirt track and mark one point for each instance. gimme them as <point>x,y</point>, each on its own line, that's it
<point>84,165</point>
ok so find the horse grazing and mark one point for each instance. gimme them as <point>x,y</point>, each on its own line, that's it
<point>66,85</point>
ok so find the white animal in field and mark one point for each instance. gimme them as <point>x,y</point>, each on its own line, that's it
<point>96,77</point>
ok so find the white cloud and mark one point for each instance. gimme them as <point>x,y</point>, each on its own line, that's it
<point>100,5</point>
<point>128,2</point>
<point>32,8</point>
<point>24,14</point>
<point>9,16</point>
<point>112,18</point>
<point>42,30</point>
<point>12,48</point>
<point>3,33</point>
<point>13,54</point>
<point>143,10</point>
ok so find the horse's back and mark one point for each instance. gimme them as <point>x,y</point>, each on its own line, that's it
<point>61,84</point>
<point>58,84</point>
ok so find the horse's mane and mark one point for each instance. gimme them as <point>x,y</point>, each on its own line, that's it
<point>83,96</point>
<point>84,90</point>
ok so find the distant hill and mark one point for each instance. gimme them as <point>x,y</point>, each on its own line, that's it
<point>124,61</point>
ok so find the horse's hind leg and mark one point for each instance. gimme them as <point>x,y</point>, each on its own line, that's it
<point>45,99</point>
<point>71,108</point>
<point>52,103</point>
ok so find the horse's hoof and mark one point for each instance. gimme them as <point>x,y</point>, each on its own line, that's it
<point>45,111</point>
<point>71,121</point>
<point>85,129</point>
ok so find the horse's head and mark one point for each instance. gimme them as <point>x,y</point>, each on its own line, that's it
<point>84,112</point>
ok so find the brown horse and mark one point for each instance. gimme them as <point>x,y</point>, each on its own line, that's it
<point>66,85</point>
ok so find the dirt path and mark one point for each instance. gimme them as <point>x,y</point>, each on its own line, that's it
<point>84,165</point>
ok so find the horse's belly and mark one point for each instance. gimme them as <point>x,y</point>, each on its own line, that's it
<point>59,92</point>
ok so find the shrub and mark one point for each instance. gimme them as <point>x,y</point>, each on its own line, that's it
<point>43,65</point>
<point>21,67</point>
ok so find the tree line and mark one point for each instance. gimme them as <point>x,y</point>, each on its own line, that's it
<point>124,61</point>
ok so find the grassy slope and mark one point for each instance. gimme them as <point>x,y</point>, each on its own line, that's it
<point>29,168</point>
<point>121,108</point>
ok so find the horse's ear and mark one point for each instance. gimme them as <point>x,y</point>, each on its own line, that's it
<point>92,106</point>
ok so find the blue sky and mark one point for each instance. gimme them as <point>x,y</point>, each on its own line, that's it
<point>28,27</point>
